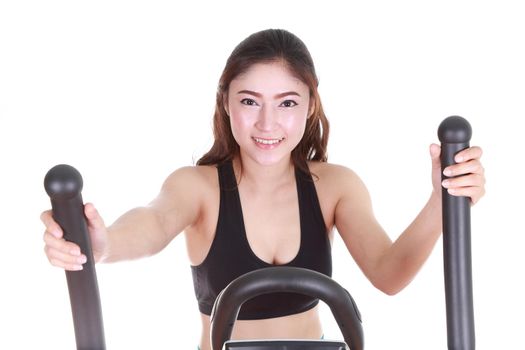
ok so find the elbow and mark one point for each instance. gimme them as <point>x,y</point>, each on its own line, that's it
<point>390,291</point>
<point>392,280</point>
<point>390,288</point>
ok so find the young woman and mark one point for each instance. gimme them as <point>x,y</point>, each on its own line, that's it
<point>265,195</point>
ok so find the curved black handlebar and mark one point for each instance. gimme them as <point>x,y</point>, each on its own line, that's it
<point>285,279</point>
<point>455,133</point>
<point>63,184</point>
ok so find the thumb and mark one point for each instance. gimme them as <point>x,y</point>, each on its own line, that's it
<point>435,152</point>
<point>95,221</point>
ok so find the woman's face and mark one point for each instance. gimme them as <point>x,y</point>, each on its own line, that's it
<point>268,109</point>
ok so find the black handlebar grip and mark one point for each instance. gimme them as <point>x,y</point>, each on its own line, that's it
<point>63,184</point>
<point>291,280</point>
<point>455,133</point>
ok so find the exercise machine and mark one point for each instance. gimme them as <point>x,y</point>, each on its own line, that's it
<point>63,184</point>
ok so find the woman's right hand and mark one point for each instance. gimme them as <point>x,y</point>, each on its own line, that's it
<point>67,255</point>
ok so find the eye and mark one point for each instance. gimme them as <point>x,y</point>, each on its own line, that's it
<point>248,102</point>
<point>289,103</point>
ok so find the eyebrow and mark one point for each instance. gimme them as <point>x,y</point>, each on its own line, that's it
<point>281,95</point>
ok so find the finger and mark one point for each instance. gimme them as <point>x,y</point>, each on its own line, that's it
<point>94,219</point>
<point>474,152</point>
<point>66,261</point>
<point>471,180</point>
<point>472,166</point>
<point>51,225</point>
<point>474,192</point>
<point>61,245</point>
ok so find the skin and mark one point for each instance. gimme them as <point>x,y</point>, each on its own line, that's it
<point>273,109</point>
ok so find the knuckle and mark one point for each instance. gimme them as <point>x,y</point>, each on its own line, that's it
<point>55,262</point>
<point>48,237</point>
<point>71,246</point>
<point>482,179</point>
<point>51,254</point>
<point>479,167</point>
<point>43,215</point>
<point>50,240</point>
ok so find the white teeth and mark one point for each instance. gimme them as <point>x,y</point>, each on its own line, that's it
<point>268,142</point>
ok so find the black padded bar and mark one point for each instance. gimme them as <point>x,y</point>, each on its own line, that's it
<point>63,184</point>
<point>455,133</point>
<point>285,279</point>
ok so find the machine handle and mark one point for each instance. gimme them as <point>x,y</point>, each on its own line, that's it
<point>285,279</point>
<point>455,133</point>
<point>63,184</point>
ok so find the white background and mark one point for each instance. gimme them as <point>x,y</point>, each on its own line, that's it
<point>124,91</point>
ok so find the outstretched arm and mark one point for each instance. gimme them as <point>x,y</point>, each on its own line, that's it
<point>139,232</point>
<point>145,231</point>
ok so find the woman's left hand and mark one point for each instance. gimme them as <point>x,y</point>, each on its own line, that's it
<point>468,175</point>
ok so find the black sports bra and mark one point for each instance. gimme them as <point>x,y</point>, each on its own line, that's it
<point>230,255</point>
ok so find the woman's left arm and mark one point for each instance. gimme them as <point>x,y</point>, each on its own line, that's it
<point>413,247</point>
<point>391,267</point>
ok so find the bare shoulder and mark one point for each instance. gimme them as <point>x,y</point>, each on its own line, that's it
<point>188,187</point>
<point>192,179</point>
<point>333,174</point>
<point>337,186</point>
<point>338,182</point>
<point>184,196</point>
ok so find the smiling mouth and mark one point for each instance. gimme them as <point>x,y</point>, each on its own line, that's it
<point>268,141</point>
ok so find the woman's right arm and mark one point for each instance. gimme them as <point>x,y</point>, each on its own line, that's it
<point>140,232</point>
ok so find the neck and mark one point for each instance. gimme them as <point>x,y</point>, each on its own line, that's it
<point>263,177</point>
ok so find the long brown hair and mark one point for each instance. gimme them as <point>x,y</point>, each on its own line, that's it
<point>269,46</point>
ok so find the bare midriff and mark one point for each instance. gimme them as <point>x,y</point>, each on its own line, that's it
<point>305,325</point>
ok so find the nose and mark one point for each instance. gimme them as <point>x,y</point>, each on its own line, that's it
<point>267,119</point>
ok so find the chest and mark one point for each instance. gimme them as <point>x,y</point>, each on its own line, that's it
<point>272,224</point>
<point>271,221</point>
